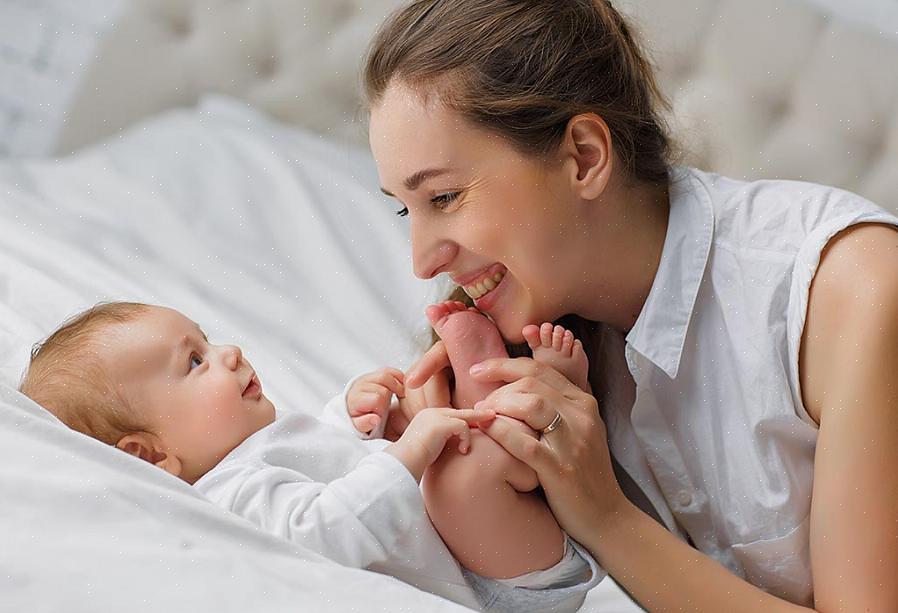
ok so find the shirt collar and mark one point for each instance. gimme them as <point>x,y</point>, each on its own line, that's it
<point>660,329</point>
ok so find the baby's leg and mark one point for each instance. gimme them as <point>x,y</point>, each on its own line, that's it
<point>484,507</point>
<point>483,503</point>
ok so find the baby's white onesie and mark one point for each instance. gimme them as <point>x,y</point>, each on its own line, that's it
<point>321,486</point>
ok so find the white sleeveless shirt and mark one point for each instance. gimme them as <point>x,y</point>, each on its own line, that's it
<point>714,431</point>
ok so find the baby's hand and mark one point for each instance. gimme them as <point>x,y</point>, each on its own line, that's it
<point>429,431</point>
<point>368,400</point>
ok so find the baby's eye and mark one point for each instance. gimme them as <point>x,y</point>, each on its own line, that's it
<point>195,361</point>
<point>444,200</point>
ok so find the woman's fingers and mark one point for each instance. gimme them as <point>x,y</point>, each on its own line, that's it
<point>521,445</point>
<point>512,369</point>
<point>436,390</point>
<point>432,362</point>
<point>536,409</point>
<point>532,401</point>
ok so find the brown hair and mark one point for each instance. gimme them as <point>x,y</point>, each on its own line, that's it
<point>524,68</point>
<point>66,376</point>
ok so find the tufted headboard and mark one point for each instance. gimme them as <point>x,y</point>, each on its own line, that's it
<point>767,88</point>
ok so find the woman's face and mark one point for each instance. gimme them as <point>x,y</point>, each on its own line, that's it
<point>479,210</point>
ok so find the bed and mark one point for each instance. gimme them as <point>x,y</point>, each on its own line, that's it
<point>213,159</point>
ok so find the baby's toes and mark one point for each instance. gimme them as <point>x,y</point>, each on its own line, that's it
<point>531,335</point>
<point>567,342</point>
<point>545,334</point>
<point>557,338</point>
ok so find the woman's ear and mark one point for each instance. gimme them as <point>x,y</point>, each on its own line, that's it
<point>148,448</point>
<point>587,144</point>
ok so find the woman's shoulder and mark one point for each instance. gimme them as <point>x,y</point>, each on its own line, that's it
<point>776,215</point>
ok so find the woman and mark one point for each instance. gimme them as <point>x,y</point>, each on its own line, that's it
<point>749,339</point>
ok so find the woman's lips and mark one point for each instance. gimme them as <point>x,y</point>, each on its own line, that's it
<point>468,279</point>
<point>488,301</point>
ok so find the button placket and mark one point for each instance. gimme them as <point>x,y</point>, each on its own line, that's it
<point>686,501</point>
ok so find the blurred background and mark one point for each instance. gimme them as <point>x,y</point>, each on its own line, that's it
<point>803,89</point>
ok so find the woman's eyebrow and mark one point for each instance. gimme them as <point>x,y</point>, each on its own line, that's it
<point>414,181</point>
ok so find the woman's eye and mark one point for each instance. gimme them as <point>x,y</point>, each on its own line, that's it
<point>444,200</point>
<point>403,212</point>
<point>195,361</point>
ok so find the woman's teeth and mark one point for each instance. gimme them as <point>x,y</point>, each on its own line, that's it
<point>481,288</point>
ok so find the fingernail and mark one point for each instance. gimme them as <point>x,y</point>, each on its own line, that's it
<point>476,368</point>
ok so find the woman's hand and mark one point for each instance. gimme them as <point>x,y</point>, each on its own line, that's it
<point>572,461</point>
<point>426,385</point>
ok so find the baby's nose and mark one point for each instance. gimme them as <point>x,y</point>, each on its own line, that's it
<point>233,356</point>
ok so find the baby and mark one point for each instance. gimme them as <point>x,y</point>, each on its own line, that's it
<point>146,380</point>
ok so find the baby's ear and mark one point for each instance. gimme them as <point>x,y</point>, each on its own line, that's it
<point>147,448</point>
<point>141,445</point>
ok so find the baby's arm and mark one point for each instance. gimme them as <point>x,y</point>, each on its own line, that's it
<point>358,519</point>
<point>355,520</point>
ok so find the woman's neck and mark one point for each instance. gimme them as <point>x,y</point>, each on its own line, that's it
<point>628,232</point>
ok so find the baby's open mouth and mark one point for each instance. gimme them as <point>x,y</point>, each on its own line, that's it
<point>253,388</point>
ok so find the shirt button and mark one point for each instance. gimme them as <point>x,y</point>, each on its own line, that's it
<point>684,498</point>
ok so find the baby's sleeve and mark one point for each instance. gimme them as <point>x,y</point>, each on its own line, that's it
<point>355,520</point>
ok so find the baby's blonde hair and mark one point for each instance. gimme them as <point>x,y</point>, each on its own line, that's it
<point>66,376</point>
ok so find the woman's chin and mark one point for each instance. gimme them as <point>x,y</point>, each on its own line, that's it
<point>510,326</point>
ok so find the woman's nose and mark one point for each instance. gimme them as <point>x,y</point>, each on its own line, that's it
<point>431,257</point>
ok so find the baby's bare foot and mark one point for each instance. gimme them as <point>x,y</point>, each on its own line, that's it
<point>470,338</point>
<point>556,346</point>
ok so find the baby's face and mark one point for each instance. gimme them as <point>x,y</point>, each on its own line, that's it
<point>201,400</point>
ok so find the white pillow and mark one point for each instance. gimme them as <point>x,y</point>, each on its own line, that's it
<point>268,237</point>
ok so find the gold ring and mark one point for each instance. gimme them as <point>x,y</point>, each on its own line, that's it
<point>555,423</point>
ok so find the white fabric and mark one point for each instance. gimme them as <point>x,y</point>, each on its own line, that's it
<point>320,487</point>
<point>714,431</point>
<point>85,528</point>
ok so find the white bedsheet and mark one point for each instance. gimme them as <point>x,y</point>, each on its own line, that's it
<point>265,237</point>
<point>270,238</point>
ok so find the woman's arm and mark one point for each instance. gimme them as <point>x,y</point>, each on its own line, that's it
<point>849,380</point>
